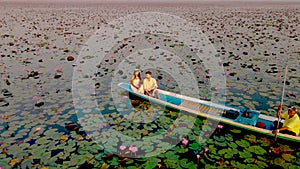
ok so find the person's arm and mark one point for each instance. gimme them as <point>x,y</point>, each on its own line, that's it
<point>133,84</point>
<point>154,86</point>
<point>280,129</point>
<point>279,110</point>
<point>145,86</point>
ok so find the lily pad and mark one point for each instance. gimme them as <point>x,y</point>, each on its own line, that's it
<point>245,154</point>
<point>243,143</point>
<point>288,157</point>
<point>257,150</point>
<point>236,131</point>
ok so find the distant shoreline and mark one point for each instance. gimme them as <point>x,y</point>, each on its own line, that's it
<point>204,3</point>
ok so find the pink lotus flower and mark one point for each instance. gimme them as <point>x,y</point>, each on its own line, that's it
<point>37,129</point>
<point>220,63</point>
<point>2,168</point>
<point>123,148</point>
<point>59,69</point>
<point>198,156</point>
<point>26,70</point>
<point>205,150</point>
<point>133,149</point>
<point>35,97</point>
<point>220,126</point>
<point>185,141</point>
<point>125,97</point>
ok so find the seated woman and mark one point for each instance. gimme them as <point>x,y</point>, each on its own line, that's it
<point>136,82</point>
<point>291,124</point>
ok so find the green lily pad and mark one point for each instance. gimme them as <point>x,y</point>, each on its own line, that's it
<point>236,131</point>
<point>221,144</point>
<point>257,150</point>
<point>245,154</point>
<point>249,160</point>
<point>184,164</point>
<point>288,157</point>
<point>194,146</point>
<point>232,145</point>
<point>182,150</point>
<point>151,163</point>
<point>261,158</point>
<point>148,148</point>
<point>171,163</point>
<point>243,143</point>
<point>228,137</point>
<point>279,161</point>
<point>219,139</point>
<point>171,155</point>
<point>114,161</point>
<point>262,164</point>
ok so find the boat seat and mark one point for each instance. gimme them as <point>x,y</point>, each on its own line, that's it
<point>200,108</point>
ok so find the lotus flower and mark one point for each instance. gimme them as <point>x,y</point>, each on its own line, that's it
<point>206,150</point>
<point>59,69</point>
<point>133,149</point>
<point>122,148</point>
<point>37,129</point>
<point>220,126</point>
<point>26,70</point>
<point>198,156</point>
<point>185,141</point>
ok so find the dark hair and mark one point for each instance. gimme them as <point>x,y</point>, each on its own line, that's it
<point>148,72</point>
<point>139,75</point>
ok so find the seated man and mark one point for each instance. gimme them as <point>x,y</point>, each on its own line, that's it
<point>291,124</point>
<point>150,85</point>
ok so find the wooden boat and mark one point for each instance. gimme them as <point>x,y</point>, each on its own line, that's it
<point>217,112</point>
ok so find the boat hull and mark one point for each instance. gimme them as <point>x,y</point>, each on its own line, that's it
<point>215,112</point>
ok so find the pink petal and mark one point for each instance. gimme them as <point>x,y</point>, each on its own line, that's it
<point>38,129</point>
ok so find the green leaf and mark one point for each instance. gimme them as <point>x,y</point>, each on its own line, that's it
<point>182,150</point>
<point>223,151</point>
<point>243,143</point>
<point>184,163</point>
<point>279,161</point>
<point>245,154</point>
<point>219,139</point>
<point>114,161</point>
<point>221,144</point>
<point>261,158</point>
<point>249,160</point>
<point>171,163</point>
<point>262,164</point>
<point>198,122</point>
<point>171,155</point>
<point>236,131</point>
<point>228,137</point>
<point>288,157</point>
<point>293,167</point>
<point>257,150</point>
<point>149,165</point>
<point>232,145</point>
<point>228,155</point>
<point>194,146</point>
